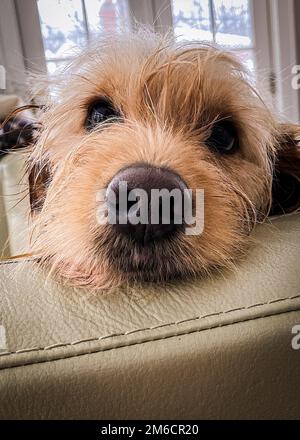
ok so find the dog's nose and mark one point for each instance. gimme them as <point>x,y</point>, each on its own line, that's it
<point>144,204</point>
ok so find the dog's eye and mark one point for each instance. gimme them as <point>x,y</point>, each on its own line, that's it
<point>100,112</point>
<point>223,137</point>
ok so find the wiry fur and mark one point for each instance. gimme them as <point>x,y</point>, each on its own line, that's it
<point>169,95</point>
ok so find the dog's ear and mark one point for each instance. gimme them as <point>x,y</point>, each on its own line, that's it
<point>39,177</point>
<point>286,178</point>
<point>18,132</point>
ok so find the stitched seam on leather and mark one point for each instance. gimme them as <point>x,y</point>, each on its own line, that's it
<point>145,341</point>
<point>114,335</point>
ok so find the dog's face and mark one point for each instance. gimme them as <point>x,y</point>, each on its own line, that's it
<point>157,116</point>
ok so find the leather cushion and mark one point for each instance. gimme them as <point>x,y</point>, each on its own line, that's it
<point>214,348</point>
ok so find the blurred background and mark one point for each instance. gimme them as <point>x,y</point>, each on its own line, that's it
<point>43,35</point>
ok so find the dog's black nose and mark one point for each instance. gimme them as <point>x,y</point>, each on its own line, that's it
<point>147,203</point>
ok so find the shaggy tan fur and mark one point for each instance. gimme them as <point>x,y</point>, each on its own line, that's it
<point>169,95</point>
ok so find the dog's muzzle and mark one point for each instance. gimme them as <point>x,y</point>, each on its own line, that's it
<point>141,184</point>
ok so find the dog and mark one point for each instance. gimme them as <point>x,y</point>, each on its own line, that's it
<point>155,113</point>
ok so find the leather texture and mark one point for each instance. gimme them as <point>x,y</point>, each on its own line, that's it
<point>212,348</point>
<point>14,205</point>
<point>4,244</point>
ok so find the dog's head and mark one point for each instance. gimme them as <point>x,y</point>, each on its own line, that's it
<point>156,115</point>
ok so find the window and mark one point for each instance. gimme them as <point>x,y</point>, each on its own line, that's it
<point>225,22</point>
<point>256,30</point>
<point>69,24</point>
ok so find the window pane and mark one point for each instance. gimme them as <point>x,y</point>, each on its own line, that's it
<point>106,15</point>
<point>225,22</point>
<point>233,23</point>
<point>191,20</point>
<point>62,26</point>
<point>69,24</point>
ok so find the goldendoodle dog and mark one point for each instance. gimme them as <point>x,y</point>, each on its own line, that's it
<point>155,114</point>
